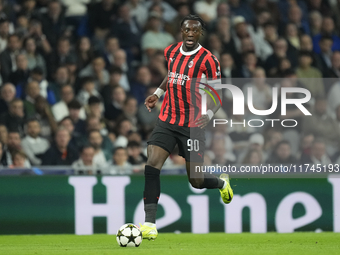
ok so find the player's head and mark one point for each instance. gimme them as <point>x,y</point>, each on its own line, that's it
<point>192,27</point>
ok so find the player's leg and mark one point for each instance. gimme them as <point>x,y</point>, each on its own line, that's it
<point>192,149</point>
<point>152,189</point>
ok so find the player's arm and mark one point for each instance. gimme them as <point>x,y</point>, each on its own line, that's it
<point>213,101</point>
<point>151,101</point>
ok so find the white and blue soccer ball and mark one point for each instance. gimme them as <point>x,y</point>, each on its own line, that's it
<point>129,235</point>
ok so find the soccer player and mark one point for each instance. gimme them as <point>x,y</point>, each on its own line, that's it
<point>180,120</point>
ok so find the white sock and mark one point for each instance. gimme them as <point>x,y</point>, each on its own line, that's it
<point>224,185</point>
<point>149,224</point>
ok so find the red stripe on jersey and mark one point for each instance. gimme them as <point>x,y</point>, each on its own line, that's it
<point>166,101</point>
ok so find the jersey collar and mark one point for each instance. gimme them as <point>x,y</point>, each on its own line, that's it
<point>188,53</point>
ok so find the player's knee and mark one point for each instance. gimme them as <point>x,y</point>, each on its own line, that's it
<point>153,162</point>
<point>197,183</point>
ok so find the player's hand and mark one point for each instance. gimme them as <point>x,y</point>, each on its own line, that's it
<point>203,121</point>
<point>150,102</point>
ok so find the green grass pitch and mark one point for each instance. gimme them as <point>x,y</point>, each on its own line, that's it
<point>213,243</point>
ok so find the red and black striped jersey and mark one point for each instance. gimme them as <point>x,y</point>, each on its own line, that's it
<point>182,101</point>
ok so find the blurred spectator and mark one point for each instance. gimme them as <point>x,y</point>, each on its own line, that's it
<point>95,107</point>
<point>28,9</point>
<point>273,137</point>
<point>86,163</point>
<point>60,109</point>
<point>61,78</point>
<point>206,9</point>
<point>315,20</point>
<point>154,39</point>
<point>33,145</point>
<point>323,126</point>
<point>259,5</point>
<point>261,91</point>
<point>282,154</point>
<point>101,16</point>
<point>325,54</point>
<point>35,31</point>
<point>88,90</point>
<point>247,68</point>
<point>130,109</point>
<point>310,76</point>
<point>183,9</point>
<point>1,153</point>
<point>121,61</point>
<point>7,94</point>
<point>76,138</point>
<point>34,58</point>
<point>15,117</point>
<point>148,119</point>
<point>75,10</point>
<point>22,73</point>
<point>62,55</point>
<point>101,154</point>
<point>327,29</point>
<point>158,69</point>
<point>295,16</point>
<point>253,158</point>
<point>292,35</point>
<point>111,46</point>
<point>306,44</point>
<point>141,84</point>
<point>123,129</point>
<point>306,146</point>
<point>74,108</point>
<point>19,159</point>
<point>7,57</point>
<point>241,8</point>
<point>318,154</point>
<point>215,45</point>
<point>4,33</point>
<point>169,13</point>
<point>242,30</point>
<point>119,164</point>
<point>53,22</point>
<point>224,33</point>
<point>334,70</point>
<point>256,142</point>
<point>115,76</point>
<point>61,152</point>
<point>85,52</point>
<point>115,108</point>
<point>46,91</point>
<point>280,51</point>
<point>45,117</point>
<point>138,11</point>
<point>97,71</point>
<point>270,34</point>
<point>136,157</point>
<point>32,92</point>
<point>95,123</point>
<point>262,18</point>
<point>13,145</point>
<point>128,31</point>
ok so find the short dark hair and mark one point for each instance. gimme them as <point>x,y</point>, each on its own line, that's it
<point>133,144</point>
<point>32,119</point>
<point>326,37</point>
<point>194,17</point>
<point>37,70</point>
<point>94,100</point>
<point>65,118</point>
<point>86,79</point>
<point>119,148</point>
<point>84,147</point>
<point>74,104</point>
<point>304,53</point>
<point>115,69</point>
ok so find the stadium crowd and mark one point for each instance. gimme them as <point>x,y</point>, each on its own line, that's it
<point>75,74</point>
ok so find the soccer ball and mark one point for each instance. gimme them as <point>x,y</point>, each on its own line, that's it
<point>129,235</point>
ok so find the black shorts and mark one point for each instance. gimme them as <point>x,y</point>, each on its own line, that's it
<point>190,140</point>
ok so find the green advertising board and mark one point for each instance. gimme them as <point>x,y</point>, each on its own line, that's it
<point>88,204</point>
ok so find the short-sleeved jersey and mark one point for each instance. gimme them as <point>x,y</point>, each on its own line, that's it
<point>182,101</point>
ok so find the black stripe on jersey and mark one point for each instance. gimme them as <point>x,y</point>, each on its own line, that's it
<point>193,84</point>
<point>184,93</point>
<point>217,67</point>
<point>169,117</point>
<point>209,69</point>
<point>165,106</point>
<point>177,107</point>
